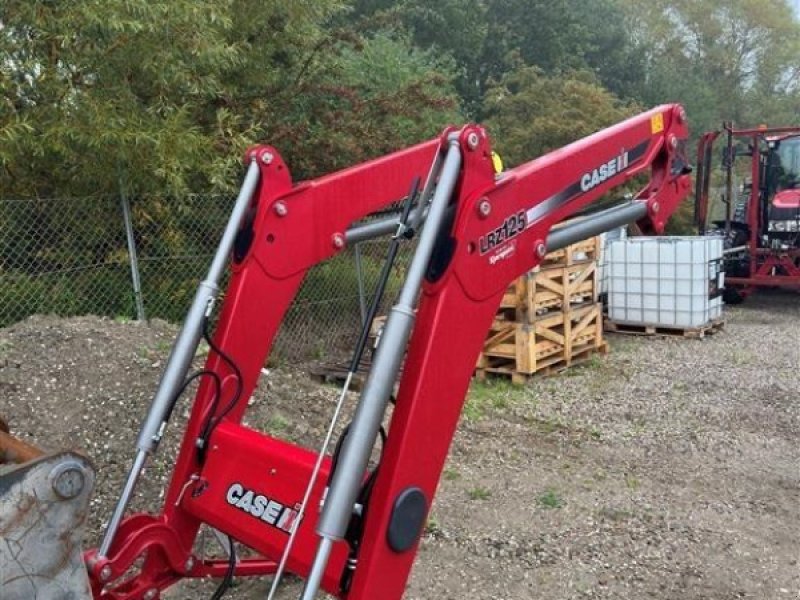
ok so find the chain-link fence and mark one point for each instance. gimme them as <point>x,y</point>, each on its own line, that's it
<point>143,258</point>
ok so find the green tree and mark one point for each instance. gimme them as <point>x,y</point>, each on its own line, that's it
<point>724,59</point>
<point>529,114</point>
<point>163,97</point>
<point>560,36</point>
<point>448,29</point>
<point>489,38</point>
<point>94,92</point>
<point>371,97</point>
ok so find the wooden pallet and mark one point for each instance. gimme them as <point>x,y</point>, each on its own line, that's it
<point>335,373</point>
<point>377,325</point>
<point>583,251</point>
<point>644,329</point>
<point>553,339</point>
<point>579,356</point>
<point>555,288</point>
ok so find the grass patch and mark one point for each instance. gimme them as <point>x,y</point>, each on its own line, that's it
<point>622,344</point>
<point>319,352</point>
<point>587,366</point>
<point>277,425</point>
<point>550,499</point>
<point>492,395</point>
<point>632,482</point>
<point>432,527</point>
<point>740,357</point>
<point>450,475</point>
<point>637,429</point>
<point>479,493</point>
<point>276,360</point>
<point>595,361</point>
<point>679,387</point>
<point>547,424</point>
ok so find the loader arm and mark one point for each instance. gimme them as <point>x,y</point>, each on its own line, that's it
<point>485,230</point>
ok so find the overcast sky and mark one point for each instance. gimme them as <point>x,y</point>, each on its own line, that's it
<point>796,5</point>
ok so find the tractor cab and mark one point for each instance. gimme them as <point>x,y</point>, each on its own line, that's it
<point>784,177</point>
<point>749,193</point>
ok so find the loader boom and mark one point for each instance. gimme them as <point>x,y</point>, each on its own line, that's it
<point>482,230</point>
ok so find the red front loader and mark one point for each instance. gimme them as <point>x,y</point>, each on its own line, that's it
<point>344,525</point>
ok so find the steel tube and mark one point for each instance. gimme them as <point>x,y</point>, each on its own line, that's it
<point>734,250</point>
<point>318,569</point>
<point>358,444</point>
<point>729,181</point>
<point>362,300</point>
<point>383,227</point>
<point>388,225</point>
<point>595,224</point>
<point>180,358</point>
<point>186,343</point>
<point>119,510</point>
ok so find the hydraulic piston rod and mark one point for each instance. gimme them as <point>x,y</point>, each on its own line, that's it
<point>358,445</point>
<point>180,357</point>
<point>596,224</point>
<point>560,237</point>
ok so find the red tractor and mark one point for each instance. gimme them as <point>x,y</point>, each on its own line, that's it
<point>754,203</point>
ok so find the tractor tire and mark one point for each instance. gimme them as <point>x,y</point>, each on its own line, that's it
<point>732,295</point>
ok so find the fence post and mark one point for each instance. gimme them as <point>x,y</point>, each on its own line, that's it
<point>362,301</point>
<point>137,285</point>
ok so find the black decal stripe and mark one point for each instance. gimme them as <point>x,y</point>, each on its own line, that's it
<point>554,202</point>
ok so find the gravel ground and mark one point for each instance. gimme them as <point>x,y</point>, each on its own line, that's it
<point>668,470</point>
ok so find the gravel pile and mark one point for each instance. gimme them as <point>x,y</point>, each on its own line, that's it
<point>669,469</point>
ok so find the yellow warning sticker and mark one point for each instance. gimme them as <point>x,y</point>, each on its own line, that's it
<point>657,123</point>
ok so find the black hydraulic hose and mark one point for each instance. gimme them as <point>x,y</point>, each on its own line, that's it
<point>354,530</point>
<point>402,232</point>
<point>227,580</point>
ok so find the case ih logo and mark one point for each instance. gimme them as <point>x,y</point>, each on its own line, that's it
<point>259,506</point>
<point>511,227</point>
<point>604,171</point>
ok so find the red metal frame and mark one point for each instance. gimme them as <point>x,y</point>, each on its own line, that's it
<point>768,267</point>
<point>771,268</point>
<point>453,316</point>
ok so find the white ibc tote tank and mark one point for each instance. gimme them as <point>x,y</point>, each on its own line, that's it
<point>665,281</point>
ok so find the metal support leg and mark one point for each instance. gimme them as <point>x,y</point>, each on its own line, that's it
<point>137,284</point>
